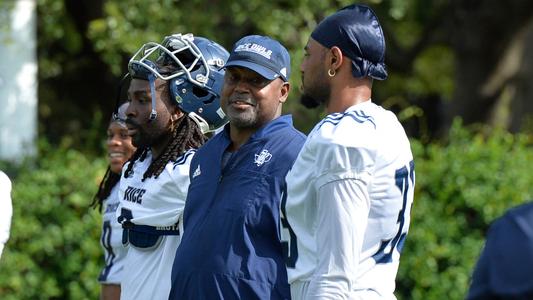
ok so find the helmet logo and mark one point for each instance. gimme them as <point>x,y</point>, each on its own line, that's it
<point>201,78</point>
<point>216,62</point>
<point>178,99</point>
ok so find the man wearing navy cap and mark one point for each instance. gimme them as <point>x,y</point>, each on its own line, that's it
<point>231,246</point>
<point>349,192</point>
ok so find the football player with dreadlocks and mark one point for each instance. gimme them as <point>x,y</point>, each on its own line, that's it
<point>174,100</point>
<point>119,150</point>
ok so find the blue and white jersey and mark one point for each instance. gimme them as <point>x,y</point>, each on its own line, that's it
<point>111,241</point>
<point>155,202</point>
<point>347,209</point>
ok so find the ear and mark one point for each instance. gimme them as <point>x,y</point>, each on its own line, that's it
<point>284,92</point>
<point>176,114</point>
<point>335,58</point>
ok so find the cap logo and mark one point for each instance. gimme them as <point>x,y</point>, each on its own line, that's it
<point>255,48</point>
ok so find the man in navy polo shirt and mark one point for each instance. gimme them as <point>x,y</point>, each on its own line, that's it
<point>231,245</point>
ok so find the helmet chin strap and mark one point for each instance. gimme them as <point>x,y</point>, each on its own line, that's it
<point>151,79</point>
<point>204,126</point>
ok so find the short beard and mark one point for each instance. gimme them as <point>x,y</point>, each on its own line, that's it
<point>243,120</point>
<point>309,102</point>
<point>316,94</point>
<point>144,139</point>
<point>320,97</point>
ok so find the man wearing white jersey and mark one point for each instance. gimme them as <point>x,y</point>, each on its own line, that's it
<point>349,193</point>
<point>174,99</point>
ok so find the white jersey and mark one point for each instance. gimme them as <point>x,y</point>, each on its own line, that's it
<point>111,241</point>
<point>154,202</point>
<point>6,209</point>
<point>349,196</point>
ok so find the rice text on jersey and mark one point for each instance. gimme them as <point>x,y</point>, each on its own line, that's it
<point>134,195</point>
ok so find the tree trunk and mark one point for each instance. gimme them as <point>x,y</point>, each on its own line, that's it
<point>484,33</point>
<point>521,108</point>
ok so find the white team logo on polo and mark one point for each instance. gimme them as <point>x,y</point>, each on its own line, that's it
<point>262,157</point>
<point>197,172</point>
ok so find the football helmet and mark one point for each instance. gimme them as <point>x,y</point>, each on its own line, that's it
<point>194,67</point>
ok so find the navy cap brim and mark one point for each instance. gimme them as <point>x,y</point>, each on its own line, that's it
<point>261,70</point>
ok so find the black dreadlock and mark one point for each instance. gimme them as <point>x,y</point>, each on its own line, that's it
<point>186,135</point>
<point>104,189</point>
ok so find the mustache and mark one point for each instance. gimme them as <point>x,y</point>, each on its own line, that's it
<point>131,123</point>
<point>242,98</point>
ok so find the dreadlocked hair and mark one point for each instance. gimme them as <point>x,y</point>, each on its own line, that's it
<point>104,189</point>
<point>185,136</point>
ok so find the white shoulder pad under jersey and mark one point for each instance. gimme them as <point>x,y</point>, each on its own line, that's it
<point>366,144</point>
<point>156,201</point>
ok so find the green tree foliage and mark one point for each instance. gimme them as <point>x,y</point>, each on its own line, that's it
<point>53,251</point>
<point>460,189</point>
<point>84,47</point>
<point>125,26</point>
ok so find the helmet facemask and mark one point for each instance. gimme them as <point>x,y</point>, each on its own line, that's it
<point>177,50</point>
<point>191,75</point>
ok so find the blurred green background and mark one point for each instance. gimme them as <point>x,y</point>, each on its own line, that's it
<point>459,81</point>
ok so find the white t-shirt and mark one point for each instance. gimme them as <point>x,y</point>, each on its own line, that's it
<point>349,196</point>
<point>6,209</point>
<point>154,202</point>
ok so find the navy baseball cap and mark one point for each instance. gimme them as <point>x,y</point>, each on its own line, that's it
<point>263,55</point>
<point>355,29</point>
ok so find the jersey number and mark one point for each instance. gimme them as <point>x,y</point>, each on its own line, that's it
<point>109,255</point>
<point>290,248</point>
<point>106,236</point>
<point>404,181</point>
<point>125,216</point>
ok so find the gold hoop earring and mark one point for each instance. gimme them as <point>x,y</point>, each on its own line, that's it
<point>331,74</point>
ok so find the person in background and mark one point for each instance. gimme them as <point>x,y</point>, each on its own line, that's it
<point>6,209</point>
<point>119,150</point>
<point>504,269</point>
